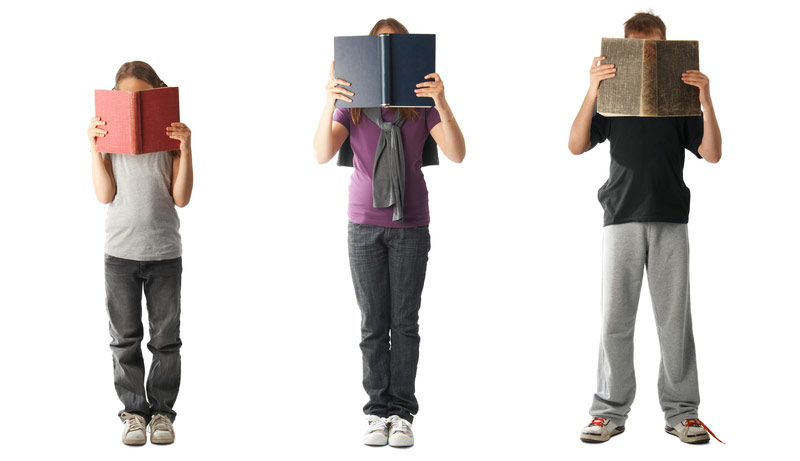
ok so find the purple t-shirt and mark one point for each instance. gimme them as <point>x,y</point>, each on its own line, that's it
<point>364,141</point>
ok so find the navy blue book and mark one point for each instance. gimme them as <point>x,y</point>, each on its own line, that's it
<point>383,70</point>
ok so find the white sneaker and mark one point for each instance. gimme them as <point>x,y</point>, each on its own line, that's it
<point>400,434</point>
<point>161,430</point>
<point>378,432</point>
<point>134,433</point>
<point>691,431</point>
<point>600,430</point>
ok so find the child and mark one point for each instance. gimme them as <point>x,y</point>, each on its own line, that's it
<point>388,245</point>
<point>646,207</point>
<point>143,251</point>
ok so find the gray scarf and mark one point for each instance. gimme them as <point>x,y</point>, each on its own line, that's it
<point>389,171</point>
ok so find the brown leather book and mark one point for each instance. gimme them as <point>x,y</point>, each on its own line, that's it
<point>648,81</point>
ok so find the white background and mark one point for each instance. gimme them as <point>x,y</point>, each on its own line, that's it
<point>510,315</point>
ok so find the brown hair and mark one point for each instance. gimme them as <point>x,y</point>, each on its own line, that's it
<point>406,113</point>
<point>645,23</point>
<point>140,70</point>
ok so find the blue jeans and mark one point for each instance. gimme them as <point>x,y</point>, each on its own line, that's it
<point>161,282</point>
<point>388,268</point>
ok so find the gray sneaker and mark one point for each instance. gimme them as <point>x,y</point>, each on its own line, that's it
<point>378,432</point>
<point>600,430</point>
<point>161,430</point>
<point>134,433</point>
<point>400,434</point>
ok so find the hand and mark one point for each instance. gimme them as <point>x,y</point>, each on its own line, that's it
<point>599,72</point>
<point>181,132</point>
<point>335,92</point>
<point>698,79</point>
<point>95,132</point>
<point>434,89</point>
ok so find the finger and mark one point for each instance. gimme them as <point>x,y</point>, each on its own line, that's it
<point>340,90</point>
<point>434,76</point>
<point>596,60</point>
<point>343,98</point>
<point>331,74</point>
<point>427,85</point>
<point>338,81</point>
<point>94,119</point>
<point>603,68</point>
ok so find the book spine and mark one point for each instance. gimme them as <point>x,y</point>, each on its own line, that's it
<point>386,69</point>
<point>136,123</point>
<point>649,105</point>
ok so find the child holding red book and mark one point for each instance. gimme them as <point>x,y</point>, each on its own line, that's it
<point>143,253</point>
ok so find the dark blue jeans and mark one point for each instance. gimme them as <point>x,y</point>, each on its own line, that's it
<point>161,282</point>
<point>388,268</point>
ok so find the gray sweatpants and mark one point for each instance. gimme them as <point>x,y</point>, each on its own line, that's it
<point>663,250</point>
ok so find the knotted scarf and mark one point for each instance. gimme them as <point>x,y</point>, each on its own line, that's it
<point>389,170</point>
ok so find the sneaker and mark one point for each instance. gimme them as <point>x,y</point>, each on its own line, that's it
<point>161,430</point>
<point>600,430</point>
<point>400,434</point>
<point>378,433</point>
<point>691,431</point>
<point>134,433</point>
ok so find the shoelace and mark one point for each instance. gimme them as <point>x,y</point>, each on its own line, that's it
<point>697,423</point>
<point>377,424</point>
<point>400,425</point>
<point>598,422</point>
<point>135,422</point>
<point>159,423</point>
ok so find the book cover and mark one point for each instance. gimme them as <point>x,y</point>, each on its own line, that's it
<point>137,121</point>
<point>648,81</point>
<point>383,70</point>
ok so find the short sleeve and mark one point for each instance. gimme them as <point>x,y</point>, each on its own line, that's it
<point>693,134</point>
<point>342,116</point>
<point>598,130</point>
<point>432,118</point>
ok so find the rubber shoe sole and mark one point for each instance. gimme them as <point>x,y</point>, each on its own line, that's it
<point>691,439</point>
<point>591,438</point>
<point>401,442</point>
<point>376,441</point>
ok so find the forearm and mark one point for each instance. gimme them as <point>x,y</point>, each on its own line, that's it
<point>323,138</point>
<point>104,187</point>
<point>184,182</point>
<point>711,145</point>
<point>453,146</point>
<point>580,133</point>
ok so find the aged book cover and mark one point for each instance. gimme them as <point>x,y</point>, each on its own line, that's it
<point>383,70</point>
<point>137,121</point>
<point>648,81</point>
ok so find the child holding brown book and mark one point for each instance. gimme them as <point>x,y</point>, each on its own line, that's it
<point>646,207</point>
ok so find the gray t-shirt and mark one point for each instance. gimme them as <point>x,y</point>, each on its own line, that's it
<point>142,223</point>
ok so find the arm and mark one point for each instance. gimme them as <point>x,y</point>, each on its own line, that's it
<point>580,133</point>
<point>182,170</point>
<point>711,145</point>
<point>446,133</point>
<point>102,173</point>
<point>330,136</point>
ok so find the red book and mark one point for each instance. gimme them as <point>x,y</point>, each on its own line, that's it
<point>137,121</point>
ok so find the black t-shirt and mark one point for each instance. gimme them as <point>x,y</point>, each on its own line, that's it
<point>645,183</point>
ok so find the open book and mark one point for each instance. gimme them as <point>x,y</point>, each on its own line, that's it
<point>137,121</point>
<point>383,70</point>
<point>648,81</point>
